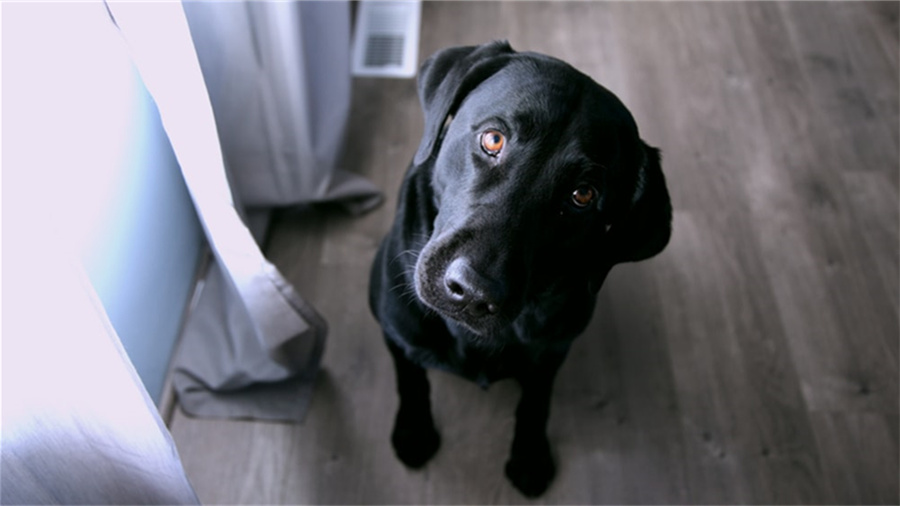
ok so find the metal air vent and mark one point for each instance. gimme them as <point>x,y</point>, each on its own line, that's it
<point>386,38</point>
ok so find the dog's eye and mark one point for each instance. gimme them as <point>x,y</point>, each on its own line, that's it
<point>492,142</point>
<point>583,195</point>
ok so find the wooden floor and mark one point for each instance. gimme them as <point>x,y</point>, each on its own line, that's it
<point>754,361</point>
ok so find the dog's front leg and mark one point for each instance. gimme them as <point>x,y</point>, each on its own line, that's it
<point>530,466</point>
<point>414,437</point>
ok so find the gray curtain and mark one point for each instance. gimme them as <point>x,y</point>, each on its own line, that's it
<point>278,79</point>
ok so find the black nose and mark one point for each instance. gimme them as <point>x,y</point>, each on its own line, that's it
<point>470,291</point>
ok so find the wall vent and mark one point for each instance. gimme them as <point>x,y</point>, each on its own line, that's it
<point>386,38</point>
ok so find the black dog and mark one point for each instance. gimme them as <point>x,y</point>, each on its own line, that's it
<point>529,184</point>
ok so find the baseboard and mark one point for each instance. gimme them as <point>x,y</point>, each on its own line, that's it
<point>168,399</point>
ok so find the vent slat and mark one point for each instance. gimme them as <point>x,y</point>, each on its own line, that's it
<point>384,50</point>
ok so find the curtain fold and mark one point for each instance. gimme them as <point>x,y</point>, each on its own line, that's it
<point>88,433</point>
<point>255,114</point>
<point>278,76</point>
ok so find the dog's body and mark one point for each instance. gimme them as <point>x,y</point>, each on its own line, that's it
<point>530,183</point>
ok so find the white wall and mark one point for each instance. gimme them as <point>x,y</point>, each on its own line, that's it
<point>147,242</point>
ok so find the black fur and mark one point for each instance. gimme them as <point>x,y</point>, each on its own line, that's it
<point>491,269</point>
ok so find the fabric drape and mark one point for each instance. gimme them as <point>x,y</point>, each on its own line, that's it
<point>254,97</point>
<point>278,77</point>
<point>77,425</point>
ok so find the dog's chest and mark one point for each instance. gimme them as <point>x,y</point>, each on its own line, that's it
<point>482,366</point>
<point>464,356</point>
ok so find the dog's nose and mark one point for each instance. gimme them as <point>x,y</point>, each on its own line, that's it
<point>476,294</point>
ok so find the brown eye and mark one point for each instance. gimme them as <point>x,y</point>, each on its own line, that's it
<point>492,142</point>
<point>583,195</point>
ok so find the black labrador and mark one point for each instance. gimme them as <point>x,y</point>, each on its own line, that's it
<point>529,184</point>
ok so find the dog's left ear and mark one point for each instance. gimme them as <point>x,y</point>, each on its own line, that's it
<point>645,229</point>
<point>446,78</point>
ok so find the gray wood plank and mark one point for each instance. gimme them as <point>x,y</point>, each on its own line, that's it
<point>861,452</point>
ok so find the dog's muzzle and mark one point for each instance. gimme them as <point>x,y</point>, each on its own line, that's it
<point>457,290</point>
<point>470,293</point>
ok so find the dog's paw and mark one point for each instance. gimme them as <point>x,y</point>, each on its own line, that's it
<point>415,439</point>
<point>530,467</point>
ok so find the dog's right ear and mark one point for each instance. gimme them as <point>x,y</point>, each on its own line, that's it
<point>447,77</point>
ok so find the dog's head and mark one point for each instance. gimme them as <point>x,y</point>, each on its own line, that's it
<point>541,184</point>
